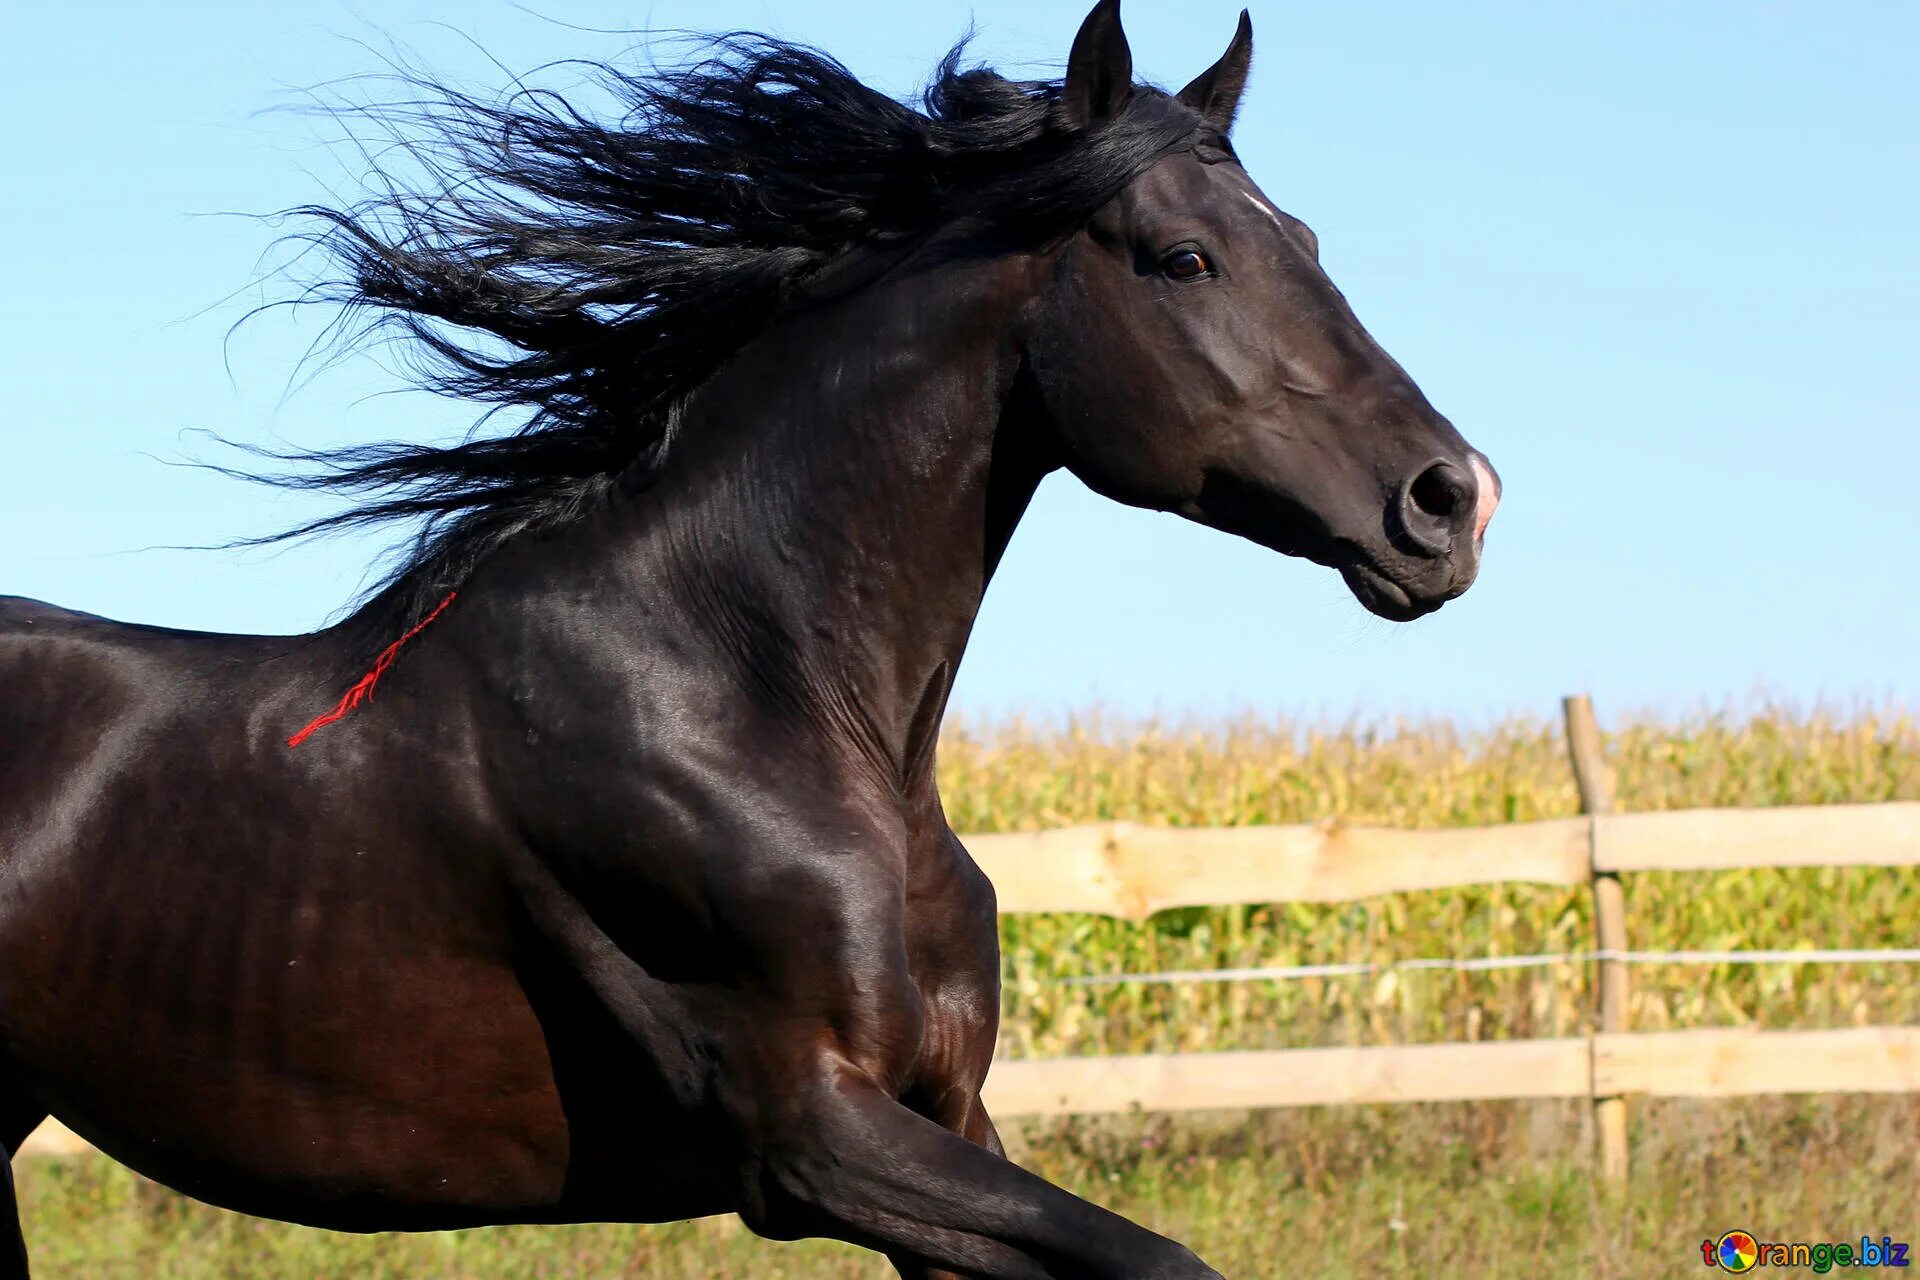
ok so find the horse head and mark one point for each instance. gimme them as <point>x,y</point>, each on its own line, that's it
<point>1191,356</point>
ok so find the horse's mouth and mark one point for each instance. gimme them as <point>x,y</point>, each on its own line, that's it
<point>1384,597</point>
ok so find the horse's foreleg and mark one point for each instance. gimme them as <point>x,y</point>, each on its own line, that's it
<point>13,1245</point>
<point>858,1166</point>
<point>976,1127</point>
<point>18,1118</point>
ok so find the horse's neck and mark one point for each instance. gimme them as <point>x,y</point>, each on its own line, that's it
<point>844,488</point>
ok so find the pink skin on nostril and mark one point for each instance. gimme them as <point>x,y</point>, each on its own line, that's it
<point>1486,498</point>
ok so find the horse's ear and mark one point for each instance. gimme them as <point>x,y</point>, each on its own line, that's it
<point>1215,92</point>
<point>1099,70</point>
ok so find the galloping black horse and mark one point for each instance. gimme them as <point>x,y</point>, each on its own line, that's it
<point>629,896</point>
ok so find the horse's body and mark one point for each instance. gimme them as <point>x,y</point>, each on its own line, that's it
<point>629,896</point>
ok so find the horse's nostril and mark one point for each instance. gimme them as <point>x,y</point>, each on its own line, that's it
<point>1441,491</point>
<point>1436,507</point>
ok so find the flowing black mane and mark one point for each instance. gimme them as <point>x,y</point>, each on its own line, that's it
<point>593,273</point>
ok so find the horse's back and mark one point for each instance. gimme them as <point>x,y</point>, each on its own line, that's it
<point>62,688</point>
<point>74,687</point>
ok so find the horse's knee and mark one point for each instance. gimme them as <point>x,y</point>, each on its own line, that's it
<point>793,1197</point>
<point>806,1167</point>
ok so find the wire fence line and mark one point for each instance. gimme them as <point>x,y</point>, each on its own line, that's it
<point>1482,964</point>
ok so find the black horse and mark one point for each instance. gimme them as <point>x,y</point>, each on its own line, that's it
<point>629,896</point>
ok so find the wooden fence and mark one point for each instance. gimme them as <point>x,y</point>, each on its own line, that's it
<point>1122,869</point>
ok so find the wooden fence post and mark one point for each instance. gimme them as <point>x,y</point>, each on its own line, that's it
<point>1595,781</point>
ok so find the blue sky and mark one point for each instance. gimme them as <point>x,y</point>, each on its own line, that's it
<point>1659,261</point>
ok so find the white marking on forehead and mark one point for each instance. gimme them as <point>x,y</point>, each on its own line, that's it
<point>1265,208</point>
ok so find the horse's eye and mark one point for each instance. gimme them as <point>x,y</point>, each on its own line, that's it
<point>1186,264</point>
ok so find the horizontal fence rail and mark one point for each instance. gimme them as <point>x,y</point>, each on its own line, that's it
<point>1132,871</point>
<point>1714,1063</point>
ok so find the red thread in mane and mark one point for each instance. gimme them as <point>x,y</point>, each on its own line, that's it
<point>363,689</point>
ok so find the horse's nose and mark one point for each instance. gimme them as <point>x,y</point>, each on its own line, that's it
<point>1438,505</point>
<point>1486,495</point>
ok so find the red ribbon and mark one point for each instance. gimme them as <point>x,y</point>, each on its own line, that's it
<point>363,689</point>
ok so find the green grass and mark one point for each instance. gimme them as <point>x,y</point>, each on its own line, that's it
<point>1496,1190</point>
